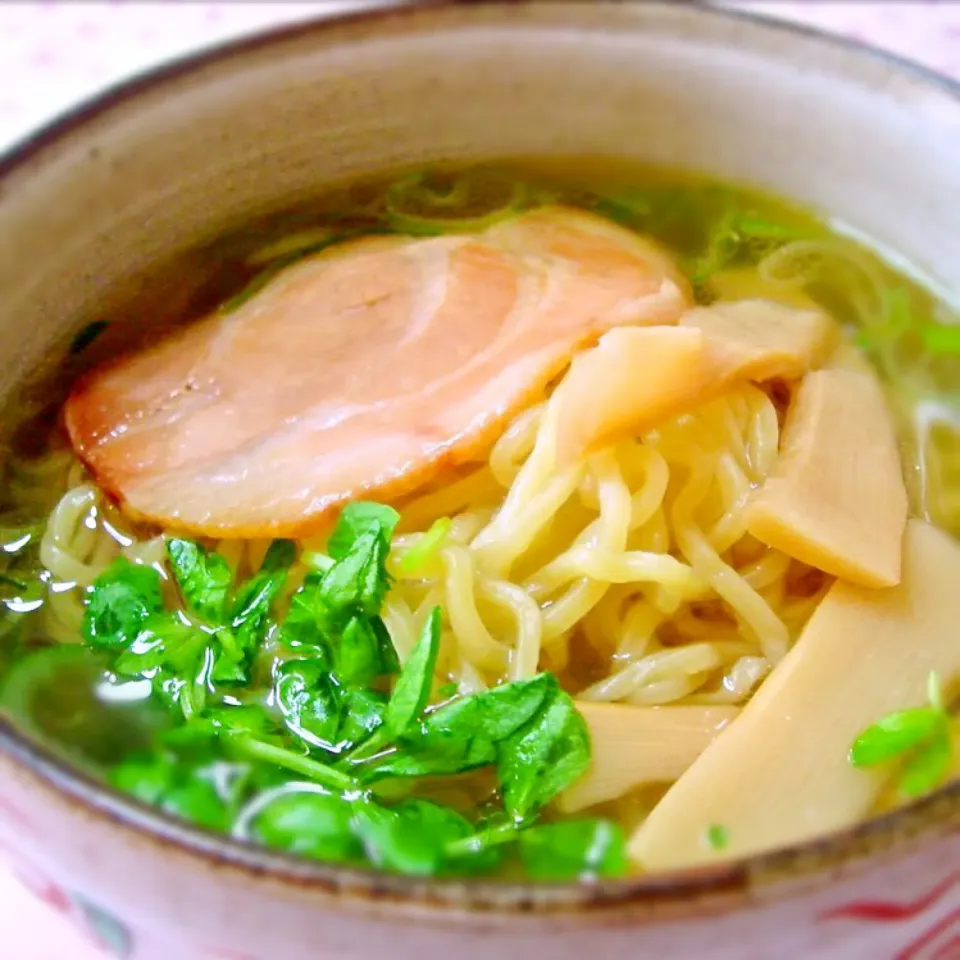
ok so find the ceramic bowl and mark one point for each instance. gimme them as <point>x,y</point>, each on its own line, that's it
<point>93,207</point>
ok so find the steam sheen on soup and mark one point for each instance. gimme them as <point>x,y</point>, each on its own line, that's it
<point>556,522</point>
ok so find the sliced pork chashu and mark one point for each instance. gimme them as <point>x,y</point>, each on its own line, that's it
<point>360,372</point>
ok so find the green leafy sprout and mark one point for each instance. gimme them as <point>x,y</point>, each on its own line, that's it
<point>302,731</point>
<point>917,740</point>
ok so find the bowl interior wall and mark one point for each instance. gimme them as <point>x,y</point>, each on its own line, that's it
<point>90,217</point>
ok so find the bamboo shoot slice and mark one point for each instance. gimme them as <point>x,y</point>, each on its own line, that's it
<point>633,379</point>
<point>638,377</point>
<point>637,745</point>
<point>780,772</point>
<point>761,339</point>
<point>835,498</point>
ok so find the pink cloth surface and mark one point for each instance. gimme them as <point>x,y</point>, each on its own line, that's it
<point>54,54</point>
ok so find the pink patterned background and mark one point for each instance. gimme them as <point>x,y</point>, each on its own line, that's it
<point>52,54</point>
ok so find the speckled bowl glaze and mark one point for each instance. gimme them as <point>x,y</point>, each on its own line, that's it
<point>92,208</point>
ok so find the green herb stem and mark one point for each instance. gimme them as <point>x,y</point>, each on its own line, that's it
<point>426,547</point>
<point>483,840</point>
<point>316,560</point>
<point>365,751</point>
<point>298,763</point>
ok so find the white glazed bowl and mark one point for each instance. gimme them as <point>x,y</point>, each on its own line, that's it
<point>92,209</point>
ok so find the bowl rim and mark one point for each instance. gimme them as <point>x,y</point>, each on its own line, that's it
<point>775,870</point>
